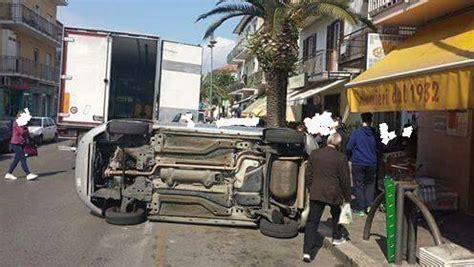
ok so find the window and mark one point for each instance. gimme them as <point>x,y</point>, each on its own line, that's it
<point>36,55</point>
<point>49,58</point>
<point>310,46</point>
<point>35,122</point>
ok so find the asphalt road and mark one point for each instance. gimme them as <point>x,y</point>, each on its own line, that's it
<point>43,223</point>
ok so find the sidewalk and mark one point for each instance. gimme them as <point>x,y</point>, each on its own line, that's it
<point>359,252</point>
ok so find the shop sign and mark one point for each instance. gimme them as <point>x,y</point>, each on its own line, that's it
<point>447,90</point>
<point>458,123</point>
<point>379,45</point>
<point>439,123</point>
<point>297,81</point>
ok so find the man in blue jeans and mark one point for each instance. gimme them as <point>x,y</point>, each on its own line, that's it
<point>363,151</point>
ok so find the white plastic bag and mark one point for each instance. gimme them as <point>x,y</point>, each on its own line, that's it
<point>346,214</point>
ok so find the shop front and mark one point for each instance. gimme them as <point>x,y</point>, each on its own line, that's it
<point>432,75</point>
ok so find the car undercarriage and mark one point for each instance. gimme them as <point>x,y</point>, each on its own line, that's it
<point>236,176</point>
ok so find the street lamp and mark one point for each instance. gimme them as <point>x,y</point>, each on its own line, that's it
<point>211,45</point>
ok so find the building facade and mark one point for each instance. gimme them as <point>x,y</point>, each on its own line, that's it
<point>30,51</point>
<point>250,77</point>
<point>429,74</point>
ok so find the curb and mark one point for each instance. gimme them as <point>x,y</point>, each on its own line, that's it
<point>350,255</point>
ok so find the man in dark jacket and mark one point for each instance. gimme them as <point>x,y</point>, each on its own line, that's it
<point>327,178</point>
<point>363,151</point>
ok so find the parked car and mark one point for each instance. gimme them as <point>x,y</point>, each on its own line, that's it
<point>5,134</point>
<point>129,171</point>
<point>43,129</point>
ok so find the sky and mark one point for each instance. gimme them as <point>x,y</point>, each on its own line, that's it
<point>170,19</point>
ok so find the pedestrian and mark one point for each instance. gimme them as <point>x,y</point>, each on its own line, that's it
<point>310,141</point>
<point>328,180</point>
<point>17,144</point>
<point>363,152</point>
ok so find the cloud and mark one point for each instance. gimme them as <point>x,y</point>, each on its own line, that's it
<point>222,48</point>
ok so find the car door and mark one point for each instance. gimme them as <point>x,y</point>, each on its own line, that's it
<point>54,128</point>
<point>47,129</point>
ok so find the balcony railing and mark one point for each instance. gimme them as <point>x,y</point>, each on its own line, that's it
<point>322,61</point>
<point>237,50</point>
<point>377,6</point>
<point>18,13</point>
<point>256,78</point>
<point>25,67</point>
<point>354,45</point>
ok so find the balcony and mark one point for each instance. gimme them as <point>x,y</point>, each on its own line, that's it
<point>354,48</point>
<point>255,79</point>
<point>412,12</point>
<point>22,67</point>
<point>21,18</point>
<point>239,53</point>
<point>321,66</point>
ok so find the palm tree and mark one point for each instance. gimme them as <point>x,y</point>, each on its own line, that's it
<point>276,44</point>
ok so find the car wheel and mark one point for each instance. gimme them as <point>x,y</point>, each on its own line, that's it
<point>39,140</point>
<point>56,138</point>
<point>114,216</point>
<point>283,136</point>
<point>128,127</point>
<point>288,229</point>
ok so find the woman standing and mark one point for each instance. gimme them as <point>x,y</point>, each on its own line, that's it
<point>17,143</point>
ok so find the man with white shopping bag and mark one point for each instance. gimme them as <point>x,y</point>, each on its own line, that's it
<point>328,181</point>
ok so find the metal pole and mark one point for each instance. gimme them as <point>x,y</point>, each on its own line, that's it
<point>434,229</point>
<point>212,43</point>
<point>412,236</point>
<point>370,217</point>
<point>399,234</point>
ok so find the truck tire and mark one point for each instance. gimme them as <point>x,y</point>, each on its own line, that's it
<point>288,229</point>
<point>283,136</point>
<point>114,216</point>
<point>128,127</point>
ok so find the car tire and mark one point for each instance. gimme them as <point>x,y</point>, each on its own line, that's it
<point>288,229</point>
<point>114,216</point>
<point>128,127</point>
<point>39,140</point>
<point>56,138</point>
<point>283,136</point>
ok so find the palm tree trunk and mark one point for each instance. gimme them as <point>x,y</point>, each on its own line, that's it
<point>277,81</point>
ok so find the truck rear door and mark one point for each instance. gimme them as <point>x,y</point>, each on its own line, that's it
<point>85,80</point>
<point>180,80</point>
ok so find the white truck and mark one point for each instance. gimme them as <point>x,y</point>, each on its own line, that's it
<point>112,75</point>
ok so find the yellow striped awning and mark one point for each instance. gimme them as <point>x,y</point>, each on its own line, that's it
<point>432,70</point>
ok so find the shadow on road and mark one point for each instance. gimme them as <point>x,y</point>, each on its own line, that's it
<point>5,156</point>
<point>46,174</point>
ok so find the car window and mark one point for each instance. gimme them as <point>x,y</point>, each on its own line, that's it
<point>51,121</point>
<point>35,122</point>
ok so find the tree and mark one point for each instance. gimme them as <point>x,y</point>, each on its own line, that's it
<point>222,79</point>
<point>276,44</point>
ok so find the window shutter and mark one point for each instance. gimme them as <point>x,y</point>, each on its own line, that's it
<point>315,44</point>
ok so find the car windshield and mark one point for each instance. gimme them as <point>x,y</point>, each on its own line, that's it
<point>35,122</point>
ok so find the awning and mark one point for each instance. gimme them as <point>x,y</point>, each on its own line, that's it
<point>241,90</point>
<point>257,108</point>
<point>300,98</point>
<point>432,70</point>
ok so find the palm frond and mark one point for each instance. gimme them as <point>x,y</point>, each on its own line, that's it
<point>244,7</point>
<point>337,9</point>
<point>210,30</point>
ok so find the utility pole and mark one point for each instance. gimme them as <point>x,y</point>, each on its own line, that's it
<point>211,45</point>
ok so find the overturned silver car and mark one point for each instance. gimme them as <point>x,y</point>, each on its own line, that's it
<point>129,171</point>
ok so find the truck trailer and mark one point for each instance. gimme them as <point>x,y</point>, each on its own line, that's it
<point>114,75</point>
